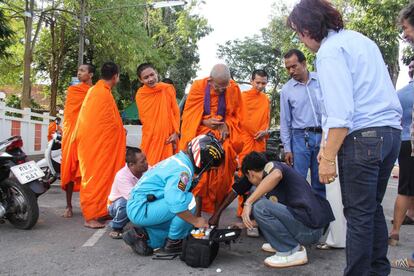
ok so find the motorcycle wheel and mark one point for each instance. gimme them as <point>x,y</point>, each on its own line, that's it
<point>23,202</point>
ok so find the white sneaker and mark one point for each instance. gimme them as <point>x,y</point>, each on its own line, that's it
<point>298,258</point>
<point>268,248</point>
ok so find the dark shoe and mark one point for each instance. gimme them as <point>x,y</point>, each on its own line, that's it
<point>116,234</point>
<point>173,246</point>
<point>137,239</point>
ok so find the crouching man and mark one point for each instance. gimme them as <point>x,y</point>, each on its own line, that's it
<point>161,205</point>
<point>289,214</point>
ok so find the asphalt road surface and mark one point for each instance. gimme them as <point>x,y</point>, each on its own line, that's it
<point>59,246</point>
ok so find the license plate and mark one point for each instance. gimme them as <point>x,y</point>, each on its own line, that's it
<point>27,172</point>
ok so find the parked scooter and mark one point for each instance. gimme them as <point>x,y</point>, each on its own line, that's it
<point>50,164</point>
<point>19,185</point>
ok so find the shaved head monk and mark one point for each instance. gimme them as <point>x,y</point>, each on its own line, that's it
<point>214,105</point>
<point>256,118</point>
<point>69,168</point>
<point>159,114</point>
<point>100,138</point>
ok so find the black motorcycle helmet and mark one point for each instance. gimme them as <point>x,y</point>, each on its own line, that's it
<point>206,152</point>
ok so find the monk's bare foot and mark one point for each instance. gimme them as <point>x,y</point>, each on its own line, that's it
<point>68,213</point>
<point>94,224</point>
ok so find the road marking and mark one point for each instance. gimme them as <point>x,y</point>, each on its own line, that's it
<point>95,237</point>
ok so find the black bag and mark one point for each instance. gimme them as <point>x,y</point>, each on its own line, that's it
<point>202,252</point>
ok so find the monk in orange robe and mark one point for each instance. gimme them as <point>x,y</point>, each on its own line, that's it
<point>53,127</point>
<point>256,119</point>
<point>159,114</point>
<point>101,143</point>
<point>214,105</point>
<point>69,168</point>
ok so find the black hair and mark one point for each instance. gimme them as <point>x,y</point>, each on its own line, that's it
<point>131,155</point>
<point>142,67</point>
<point>298,53</point>
<point>259,72</point>
<point>407,14</point>
<point>91,68</point>
<point>254,161</point>
<point>108,70</point>
<point>316,18</point>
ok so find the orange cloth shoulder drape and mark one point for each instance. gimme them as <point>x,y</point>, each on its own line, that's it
<point>160,117</point>
<point>69,168</point>
<point>52,128</point>
<point>216,183</point>
<point>256,117</point>
<point>101,142</point>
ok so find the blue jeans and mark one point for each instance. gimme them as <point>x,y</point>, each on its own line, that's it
<point>281,229</point>
<point>365,161</point>
<point>117,210</point>
<point>305,149</point>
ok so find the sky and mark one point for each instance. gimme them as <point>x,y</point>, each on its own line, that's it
<point>236,19</point>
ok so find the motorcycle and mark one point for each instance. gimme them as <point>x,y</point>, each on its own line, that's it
<point>19,185</point>
<point>50,164</point>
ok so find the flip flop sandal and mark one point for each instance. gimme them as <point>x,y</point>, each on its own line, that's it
<point>402,264</point>
<point>115,235</point>
<point>323,246</point>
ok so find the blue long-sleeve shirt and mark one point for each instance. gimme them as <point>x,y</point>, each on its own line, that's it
<point>356,89</point>
<point>406,97</point>
<point>299,108</point>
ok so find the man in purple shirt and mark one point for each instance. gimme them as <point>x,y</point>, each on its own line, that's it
<point>125,180</point>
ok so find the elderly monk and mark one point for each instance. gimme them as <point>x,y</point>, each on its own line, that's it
<point>100,138</point>
<point>214,105</point>
<point>69,168</point>
<point>53,127</point>
<point>256,119</point>
<point>159,114</point>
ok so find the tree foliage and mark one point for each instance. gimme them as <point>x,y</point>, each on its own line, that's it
<point>127,32</point>
<point>6,35</point>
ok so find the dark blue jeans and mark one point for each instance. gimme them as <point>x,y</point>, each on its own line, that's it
<point>305,149</point>
<point>281,229</point>
<point>365,161</point>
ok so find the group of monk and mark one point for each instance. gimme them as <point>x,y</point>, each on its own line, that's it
<point>94,139</point>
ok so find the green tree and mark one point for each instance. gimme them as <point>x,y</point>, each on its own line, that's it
<point>6,35</point>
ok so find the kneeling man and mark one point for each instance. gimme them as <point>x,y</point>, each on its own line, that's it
<point>288,212</point>
<point>162,206</point>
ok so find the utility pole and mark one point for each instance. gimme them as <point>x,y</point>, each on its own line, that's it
<point>81,32</point>
<point>27,54</point>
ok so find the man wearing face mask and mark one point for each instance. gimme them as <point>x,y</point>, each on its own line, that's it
<point>300,119</point>
<point>214,105</point>
<point>159,114</point>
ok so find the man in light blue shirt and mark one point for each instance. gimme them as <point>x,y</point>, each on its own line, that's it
<point>361,118</point>
<point>405,195</point>
<point>300,119</point>
<point>161,205</point>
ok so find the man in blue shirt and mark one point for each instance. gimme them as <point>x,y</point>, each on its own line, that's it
<point>161,205</point>
<point>405,196</point>
<point>361,118</point>
<point>300,119</point>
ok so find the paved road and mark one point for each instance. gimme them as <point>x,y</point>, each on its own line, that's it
<point>58,246</point>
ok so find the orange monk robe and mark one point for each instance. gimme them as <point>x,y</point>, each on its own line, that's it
<point>69,168</point>
<point>52,129</point>
<point>216,183</point>
<point>256,117</point>
<point>160,117</point>
<point>101,143</point>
